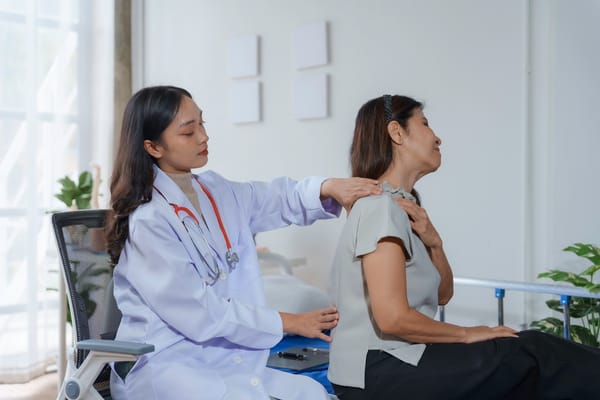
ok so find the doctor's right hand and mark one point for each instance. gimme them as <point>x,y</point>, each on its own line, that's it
<point>347,190</point>
<point>311,324</point>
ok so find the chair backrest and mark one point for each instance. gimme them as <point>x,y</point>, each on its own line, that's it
<point>87,273</point>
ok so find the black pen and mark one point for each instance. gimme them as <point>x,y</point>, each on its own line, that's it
<point>292,356</point>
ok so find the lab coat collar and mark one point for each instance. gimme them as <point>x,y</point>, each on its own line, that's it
<point>169,188</point>
<point>174,194</point>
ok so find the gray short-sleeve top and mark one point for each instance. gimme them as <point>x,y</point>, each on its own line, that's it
<point>370,220</point>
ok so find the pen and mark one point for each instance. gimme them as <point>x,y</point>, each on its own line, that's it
<point>314,350</point>
<point>292,356</point>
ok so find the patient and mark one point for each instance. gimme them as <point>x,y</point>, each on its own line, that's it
<point>390,273</point>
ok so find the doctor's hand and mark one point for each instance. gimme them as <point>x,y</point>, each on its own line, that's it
<point>420,223</point>
<point>311,324</point>
<point>347,190</point>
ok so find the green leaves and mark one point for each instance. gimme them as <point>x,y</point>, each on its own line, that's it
<point>80,192</point>
<point>585,278</point>
<point>587,310</point>
<point>554,326</point>
<point>551,325</point>
<point>81,276</point>
<point>588,251</point>
<point>563,276</point>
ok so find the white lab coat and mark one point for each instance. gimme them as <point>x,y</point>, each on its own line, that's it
<point>212,342</point>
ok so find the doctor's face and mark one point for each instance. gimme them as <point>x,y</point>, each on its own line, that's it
<point>184,144</point>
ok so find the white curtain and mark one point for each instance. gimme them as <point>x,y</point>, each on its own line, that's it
<point>56,118</point>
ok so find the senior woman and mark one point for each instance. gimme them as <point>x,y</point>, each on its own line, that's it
<point>390,273</point>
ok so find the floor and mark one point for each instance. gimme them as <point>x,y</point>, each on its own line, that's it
<point>43,388</point>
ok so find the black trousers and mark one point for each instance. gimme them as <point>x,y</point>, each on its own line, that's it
<point>533,366</point>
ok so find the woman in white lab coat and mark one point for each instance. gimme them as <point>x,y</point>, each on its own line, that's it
<point>186,275</point>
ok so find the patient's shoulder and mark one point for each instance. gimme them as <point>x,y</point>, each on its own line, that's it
<point>374,204</point>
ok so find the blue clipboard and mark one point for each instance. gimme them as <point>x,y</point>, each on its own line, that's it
<point>299,358</point>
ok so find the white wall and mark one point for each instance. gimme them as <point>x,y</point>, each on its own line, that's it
<point>510,86</point>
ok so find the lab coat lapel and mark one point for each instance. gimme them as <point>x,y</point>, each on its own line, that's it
<point>174,195</point>
<point>217,241</point>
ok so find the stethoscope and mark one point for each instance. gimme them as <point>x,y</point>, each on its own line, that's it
<point>231,257</point>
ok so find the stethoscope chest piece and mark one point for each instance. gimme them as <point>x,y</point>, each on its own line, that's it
<point>232,258</point>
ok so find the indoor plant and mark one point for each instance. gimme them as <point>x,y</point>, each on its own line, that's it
<point>82,195</point>
<point>583,309</point>
<point>76,195</point>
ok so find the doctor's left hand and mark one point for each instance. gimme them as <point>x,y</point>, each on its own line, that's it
<point>347,190</point>
<point>311,324</point>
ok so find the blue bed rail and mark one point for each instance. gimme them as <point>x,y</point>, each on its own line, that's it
<point>500,287</point>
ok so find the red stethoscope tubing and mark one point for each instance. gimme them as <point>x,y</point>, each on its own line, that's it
<point>217,213</point>
<point>177,208</point>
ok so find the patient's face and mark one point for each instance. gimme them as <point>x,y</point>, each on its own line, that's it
<point>422,143</point>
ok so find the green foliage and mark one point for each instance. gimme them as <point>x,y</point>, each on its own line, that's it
<point>81,277</point>
<point>586,310</point>
<point>80,192</point>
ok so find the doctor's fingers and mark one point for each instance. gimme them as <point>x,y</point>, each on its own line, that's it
<point>328,311</point>
<point>360,187</point>
<point>347,190</point>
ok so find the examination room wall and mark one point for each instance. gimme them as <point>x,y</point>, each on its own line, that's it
<point>511,87</point>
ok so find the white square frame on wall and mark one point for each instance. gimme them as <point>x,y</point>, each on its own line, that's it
<point>245,101</point>
<point>311,96</point>
<point>311,45</point>
<point>243,56</point>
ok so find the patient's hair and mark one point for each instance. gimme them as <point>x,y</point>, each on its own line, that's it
<point>148,113</point>
<point>371,149</point>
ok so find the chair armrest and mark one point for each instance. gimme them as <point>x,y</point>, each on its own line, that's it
<point>115,346</point>
<point>79,386</point>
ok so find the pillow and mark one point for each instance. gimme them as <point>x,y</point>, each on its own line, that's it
<point>288,293</point>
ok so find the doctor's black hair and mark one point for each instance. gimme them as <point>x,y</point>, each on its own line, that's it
<point>147,114</point>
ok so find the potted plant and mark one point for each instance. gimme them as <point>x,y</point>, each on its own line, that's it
<point>585,310</point>
<point>81,195</point>
<point>76,195</point>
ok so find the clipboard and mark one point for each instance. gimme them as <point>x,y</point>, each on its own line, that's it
<point>299,358</point>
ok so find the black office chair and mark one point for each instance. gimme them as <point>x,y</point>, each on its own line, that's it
<point>88,277</point>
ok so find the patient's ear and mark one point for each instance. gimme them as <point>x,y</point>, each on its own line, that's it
<point>396,132</point>
<point>152,148</point>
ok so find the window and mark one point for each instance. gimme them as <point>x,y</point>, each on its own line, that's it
<point>45,90</point>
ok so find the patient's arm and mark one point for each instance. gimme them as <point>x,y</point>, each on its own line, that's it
<point>446,288</point>
<point>422,226</point>
<point>386,284</point>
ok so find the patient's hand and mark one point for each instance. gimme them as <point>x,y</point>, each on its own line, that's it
<point>480,333</point>
<point>311,324</point>
<point>420,223</point>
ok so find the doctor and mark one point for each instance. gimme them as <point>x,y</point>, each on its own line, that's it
<point>186,272</point>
